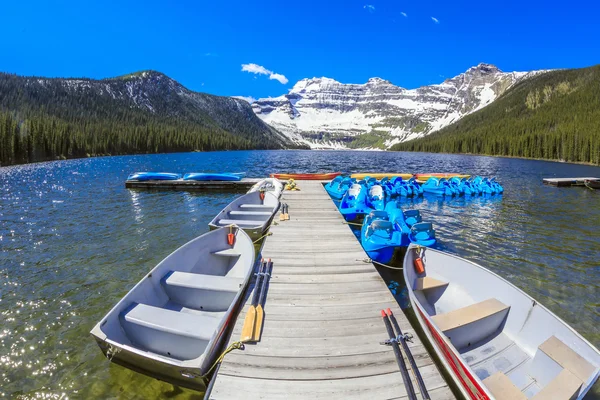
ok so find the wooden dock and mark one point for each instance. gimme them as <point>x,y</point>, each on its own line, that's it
<point>323,328</point>
<point>180,184</point>
<point>566,181</point>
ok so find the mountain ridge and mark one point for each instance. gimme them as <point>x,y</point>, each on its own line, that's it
<point>142,112</point>
<point>324,113</point>
<point>553,116</point>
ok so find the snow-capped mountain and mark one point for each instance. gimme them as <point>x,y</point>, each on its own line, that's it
<point>324,113</point>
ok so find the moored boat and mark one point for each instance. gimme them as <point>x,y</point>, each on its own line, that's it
<point>338,186</point>
<point>380,175</point>
<point>272,185</point>
<point>252,212</point>
<point>325,176</point>
<point>494,340</point>
<point>171,325</point>
<point>376,197</point>
<point>353,202</point>
<point>592,183</point>
<point>380,236</point>
<point>209,176</point>
<point>425,177</point>
<point>438,186</point>
<point>153,176</point>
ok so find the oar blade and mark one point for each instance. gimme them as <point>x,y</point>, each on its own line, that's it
<point>260,316</point>
<point>249,324</point>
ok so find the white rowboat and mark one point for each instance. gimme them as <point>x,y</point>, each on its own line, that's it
<point>253,212</point>
<point>272,185</point>
<point>493,339</point>
<point>171,324</point>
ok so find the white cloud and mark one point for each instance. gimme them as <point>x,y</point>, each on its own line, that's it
<point>369,7</point>
<point>405,15</point>
<point>278,77</point>
<point>259,69</point>
<point>434,19</point>
<point>255,69</point>
<point>210,55</point>
<point>249,99</point>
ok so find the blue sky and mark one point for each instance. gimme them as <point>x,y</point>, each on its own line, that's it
<point>203,44</point>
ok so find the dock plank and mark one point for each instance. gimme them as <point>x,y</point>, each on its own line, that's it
<point>323,330</point>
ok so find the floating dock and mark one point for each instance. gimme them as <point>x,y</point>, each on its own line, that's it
<point>180,184</point>
<point>566,181</point>
<point>323,327</point>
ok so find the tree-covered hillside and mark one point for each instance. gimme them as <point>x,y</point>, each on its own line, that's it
<point>555,115</point>
<point>45,119</point>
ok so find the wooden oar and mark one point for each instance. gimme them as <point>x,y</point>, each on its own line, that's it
<point>410,391</point>
<point>282,214</point>
<point>250,321</point>
<point>260,314</point>
<point>409,356</point>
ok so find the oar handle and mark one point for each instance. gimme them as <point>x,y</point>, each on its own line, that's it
<point>257,284</point>
<point>263,288</point>
<point>399,358</point>
<point>409,355</point>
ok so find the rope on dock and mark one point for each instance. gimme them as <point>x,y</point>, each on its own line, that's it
<point>368,260</point>
<point>263,236</point>
<point>351,223</point>
<point>232,346</point>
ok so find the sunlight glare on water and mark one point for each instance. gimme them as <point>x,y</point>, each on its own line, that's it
<point>73,241</point>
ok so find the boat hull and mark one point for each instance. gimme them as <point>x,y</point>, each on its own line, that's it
<point>189,297</point>
<point>153,176</point>
<point>508,341</point>
<point>380,175</point>
<point>212,177</point>
<point>262,221</point>
<point>308,177</point>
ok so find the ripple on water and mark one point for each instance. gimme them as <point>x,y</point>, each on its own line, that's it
<point>73,241</point>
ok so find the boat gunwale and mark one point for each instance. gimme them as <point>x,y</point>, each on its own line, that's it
<point>451,347</point>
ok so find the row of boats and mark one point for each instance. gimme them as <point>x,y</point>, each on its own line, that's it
<point>412,187</point>
<point>172,324</point>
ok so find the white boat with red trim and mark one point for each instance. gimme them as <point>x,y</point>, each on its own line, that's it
<point>493,339</point>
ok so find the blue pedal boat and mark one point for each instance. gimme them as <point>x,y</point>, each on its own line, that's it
<point>353,202</point>
<point>416,188</point>
<point>422,234</point>
<point>376,198</point>
<point>380,236</point>
<point>338,186</point>
<point>153,176</point>
<point>440,187</point>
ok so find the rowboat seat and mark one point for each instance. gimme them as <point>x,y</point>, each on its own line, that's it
<point>567,358</point>
<point>265,206</point>
<point>250,214</point>
<point>173,334</point>
<point>564,387</point>
<point>227,253</point>
<point>502,388</point>
<point>239,222</point>
<point>201,292</point>
<point>427,283</point>
<point>467,325</point>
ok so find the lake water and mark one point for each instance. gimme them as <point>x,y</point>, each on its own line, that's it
<point>73,241</point>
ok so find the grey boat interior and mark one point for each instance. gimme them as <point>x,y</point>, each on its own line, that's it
<point>515,347</point>
<point>252,212</point>
<point>172,322</point>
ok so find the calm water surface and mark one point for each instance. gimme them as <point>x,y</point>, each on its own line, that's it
<point>73,241</point>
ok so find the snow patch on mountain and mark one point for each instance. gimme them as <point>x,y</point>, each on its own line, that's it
<point>324,113</point>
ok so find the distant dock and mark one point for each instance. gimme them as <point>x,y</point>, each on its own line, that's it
<point>323,327</point>
<point>566,181</point>
<point>180,184</point>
